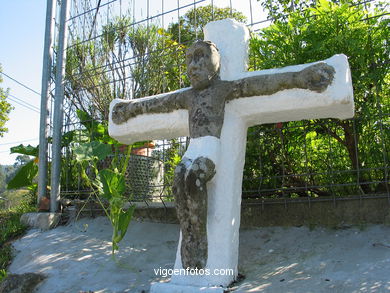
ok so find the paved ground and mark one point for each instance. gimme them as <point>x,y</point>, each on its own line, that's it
<point>78,258</point>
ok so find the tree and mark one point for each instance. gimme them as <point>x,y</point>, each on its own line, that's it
<point>281,9</point>
<point>9,171</point>
<point>190,26</point>
<point>5,107</point>
<point>21,160</point>
<point>2,179</point>
<point>317,33</point>
<point>128,61</point>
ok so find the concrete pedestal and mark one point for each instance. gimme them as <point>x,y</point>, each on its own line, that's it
<point>43,221</point>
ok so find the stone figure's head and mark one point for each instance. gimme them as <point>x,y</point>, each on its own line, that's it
<point>203,64</point>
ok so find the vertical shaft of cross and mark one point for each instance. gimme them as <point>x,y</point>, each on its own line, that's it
<point>224,192</point>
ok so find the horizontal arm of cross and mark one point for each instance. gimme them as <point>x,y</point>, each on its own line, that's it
<point>310,91</point>
<point>165,103</point>
<point>162,116</point>
<point>316,77</point>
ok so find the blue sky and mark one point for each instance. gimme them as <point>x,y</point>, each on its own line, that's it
<point>22,25</point>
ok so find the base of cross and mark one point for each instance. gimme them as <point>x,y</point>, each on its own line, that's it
<point>173,288</point>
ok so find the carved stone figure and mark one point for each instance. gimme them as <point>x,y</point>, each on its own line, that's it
<point>205,103</point>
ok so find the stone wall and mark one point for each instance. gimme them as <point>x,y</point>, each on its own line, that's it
<point>329,213</point>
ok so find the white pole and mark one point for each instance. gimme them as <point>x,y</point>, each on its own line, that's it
<point>45,92</point>
<point>58,107</point>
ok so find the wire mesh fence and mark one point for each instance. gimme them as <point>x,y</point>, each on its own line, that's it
<point>133,49</point>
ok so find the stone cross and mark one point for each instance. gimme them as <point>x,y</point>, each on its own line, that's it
<point>215,112</point>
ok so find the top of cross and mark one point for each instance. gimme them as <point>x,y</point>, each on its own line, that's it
<point>231,38</point>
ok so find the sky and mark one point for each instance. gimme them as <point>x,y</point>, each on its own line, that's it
<point>22,26</point>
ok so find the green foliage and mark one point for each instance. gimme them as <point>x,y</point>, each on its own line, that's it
<point>329,148</point>
<point>25,150</point>
<point>2,179</point>
<point>25,176</point>
<point>5,107</point>
<point>113,183</point>
<point>10,228</point>
<point>88,85</point>
<point>97,71</point>
<point>156,57</point>
<point>95,130</point>
<point>280,9</point>
<point>9,172</point>
<point>190,26</point>
<point>108,184</point>
<point>3,275</point>
<point>171,155</point>
<point>5,257</point>
<point>90,142</point>
<point>92,151</point>
<point>174,158</point>
<point>21,160</point>
<point>113,189</point>
<point>90,148</point>
<point>13,198</point>
<point>9,220</point>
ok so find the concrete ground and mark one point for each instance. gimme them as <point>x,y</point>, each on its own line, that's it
<point>77,258</point>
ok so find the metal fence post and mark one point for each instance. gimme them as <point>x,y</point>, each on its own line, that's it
<point>45,92</point>
<point>58,107</point>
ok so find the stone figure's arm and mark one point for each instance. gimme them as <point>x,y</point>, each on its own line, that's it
<point>316,78</point>
<point>166,103</point>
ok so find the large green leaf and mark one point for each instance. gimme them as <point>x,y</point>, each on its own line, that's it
<point>85,119</point>
<point>68,138</point>
<point>24,176</point>
<point>83,152</point>
<point>123,220</point>
<point>101,150</point>
<point>113,183</point>
<point>97,131</point>
<point>25,150</point>
<point>91,151</point>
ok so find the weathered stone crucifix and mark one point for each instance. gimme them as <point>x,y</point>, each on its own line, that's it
<point>215,112</point>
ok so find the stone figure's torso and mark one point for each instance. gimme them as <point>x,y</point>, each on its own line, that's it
<point>206,109</point>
